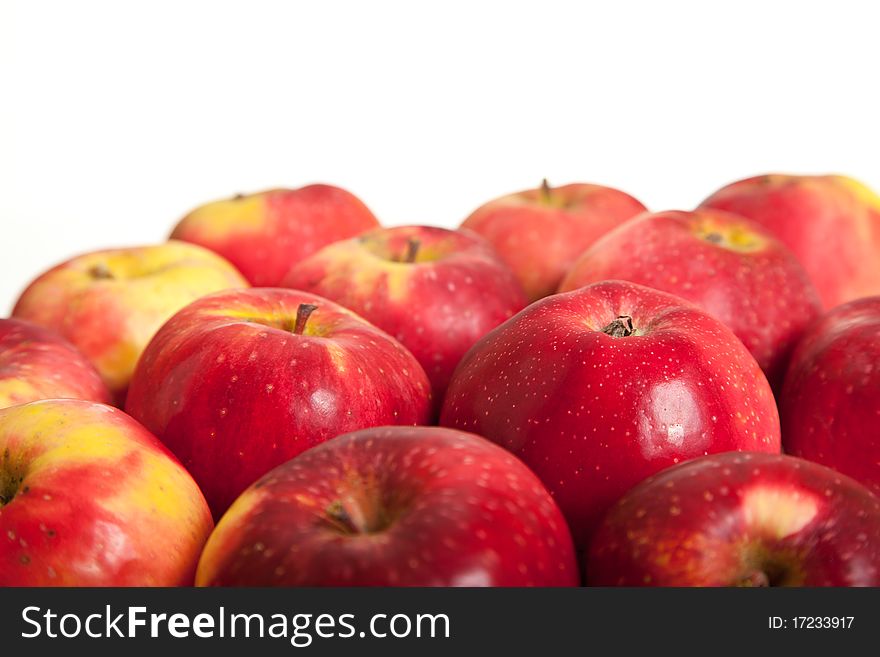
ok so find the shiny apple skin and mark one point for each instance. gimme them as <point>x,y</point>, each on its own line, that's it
<point>233,393</point>
<point>455,292</point>
<point>540,232</point>
<point>430,507</point>
<point>746,278</point>
<point>830,408</point>
<point>263,233</point>
<point>831,223</point>
<point>591,414</point>
<point>36,363</point>
<point>93,500</point>
<point>740,520</point>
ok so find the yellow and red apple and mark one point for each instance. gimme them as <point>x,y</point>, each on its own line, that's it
<point>264,233</point>
<point>88,497</point>
<point>540,232</point>
<point>109,304</point>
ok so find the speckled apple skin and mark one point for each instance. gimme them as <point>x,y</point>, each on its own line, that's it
<point>541,236</point>
<point>36,363</point>
<point>455,510</point>
<point>263,233</point>
<point>722,519</point>
<point>233,393</point>
<point>591,414</point>
<point>98,500</point>
<point>830,407</point>
<point>455,292</point>
<point>748,279</point>
<point>830,223</point>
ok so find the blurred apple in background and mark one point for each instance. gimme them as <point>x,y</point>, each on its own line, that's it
<point>830,407</point>
<point>394,506</point>
<point>110,303</point>
<point>740,520</point>
<point>540,232</point>
<point>89,498</point>
<point>36,363</point>
<point>264,233</point>
<point>437,291</point>
<point>598,388</point>
<point>241,381</point>
<point>831,223</point>
<point>729,266</point>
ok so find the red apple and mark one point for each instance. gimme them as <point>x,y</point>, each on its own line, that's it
<point>239,382</point>
<point>394,506</point>
<point>89,498</point>
<point>830,406</point>
<point>539,233</point>
<point>598,388</point>
<point>831,223</point>
<point>36,363</point>
<point>729,266</point>
<point>109,303</point>
<point>437,291</point>
<point>740,520</point>
<point>263,233</point>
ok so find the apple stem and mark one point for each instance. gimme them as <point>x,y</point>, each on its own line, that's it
<point>545,190</point>
<point>620,327</point>
<point>302,316</point>
<point>412,250</point>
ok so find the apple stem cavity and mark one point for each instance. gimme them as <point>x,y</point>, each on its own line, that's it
<point>101,272</point>
<point>302,316</point>
<point>620,328</point>
<point>9,487</point>
<point>351,519</point>
<point>412,250</point>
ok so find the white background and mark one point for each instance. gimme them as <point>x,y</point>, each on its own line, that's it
<point>118,117</point>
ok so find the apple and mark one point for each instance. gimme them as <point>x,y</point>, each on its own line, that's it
<point>109,303</point>
<point>437,291</point>
<point>830,406</point>
<point>598,388</point>
<point>729,266</point>
<point>36,363</point>
<point>88,497</point>
<point>394,506</point>
<point>540,232</point>
<point>831,223</point>
<point>241,381</point>
<point>264,233</point>
<point>740,519</point>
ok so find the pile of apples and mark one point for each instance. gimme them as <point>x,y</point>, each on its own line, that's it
<point>568,389</point>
